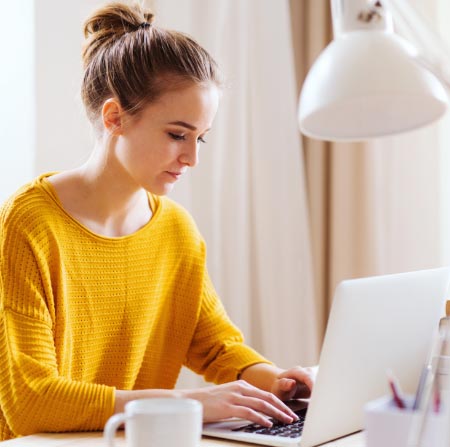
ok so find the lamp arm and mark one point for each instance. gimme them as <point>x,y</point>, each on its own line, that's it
<point>433,53</point>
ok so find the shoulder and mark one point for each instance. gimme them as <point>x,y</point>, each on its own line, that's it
<point>174,212</point>
<point>26,208</point>
<point>176,220</point>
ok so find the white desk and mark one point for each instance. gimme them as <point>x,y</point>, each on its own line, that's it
<point>96,440</point>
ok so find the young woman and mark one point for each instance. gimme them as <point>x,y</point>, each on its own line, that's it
<point>104,289</point>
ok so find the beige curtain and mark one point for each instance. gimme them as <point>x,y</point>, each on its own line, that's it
<point>374,207</point>
<point>311,32</point>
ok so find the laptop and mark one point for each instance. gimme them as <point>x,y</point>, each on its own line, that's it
<point>375,324</point>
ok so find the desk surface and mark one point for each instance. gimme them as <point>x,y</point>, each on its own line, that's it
<point>96,440</point>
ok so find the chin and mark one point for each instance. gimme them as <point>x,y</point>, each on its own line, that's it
<point>161,190</point>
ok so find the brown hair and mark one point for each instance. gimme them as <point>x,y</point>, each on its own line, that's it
<point>127,57</point>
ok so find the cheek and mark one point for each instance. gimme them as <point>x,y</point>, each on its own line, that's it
<point>164,152</point>
<point>143,152</point>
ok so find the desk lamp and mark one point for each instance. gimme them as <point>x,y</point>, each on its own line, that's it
<point>370,82</point>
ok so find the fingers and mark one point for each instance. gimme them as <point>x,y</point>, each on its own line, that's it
<point>240,399</point>
<point>301,375</point>
<point>266,402</point>
<point>287,384</point>
<point>265,408</point>
<point>309,378</point>
<point>294,383</point>
<point>253,416</point>
<point>306,374</point>
<point>285,389</point>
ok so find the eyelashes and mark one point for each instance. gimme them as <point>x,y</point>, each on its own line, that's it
<point>177,137</point>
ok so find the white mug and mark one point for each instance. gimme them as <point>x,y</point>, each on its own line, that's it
<point>159,422</point>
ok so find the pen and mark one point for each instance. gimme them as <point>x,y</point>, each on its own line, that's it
<point>396,395</point>
<point>436,400</point>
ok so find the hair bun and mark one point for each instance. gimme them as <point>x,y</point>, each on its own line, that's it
<point>149,17</point>
<point>111,23</point>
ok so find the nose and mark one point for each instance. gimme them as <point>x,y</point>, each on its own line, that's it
<point>189,156</point>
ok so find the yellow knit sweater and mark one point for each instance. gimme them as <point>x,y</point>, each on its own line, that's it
<point>83,314</point>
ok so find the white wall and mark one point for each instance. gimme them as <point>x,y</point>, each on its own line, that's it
<point>17,113</point>
<point>42,122</point>
<point>63,135</point>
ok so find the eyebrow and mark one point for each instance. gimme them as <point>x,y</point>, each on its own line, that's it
<point>184,124</point>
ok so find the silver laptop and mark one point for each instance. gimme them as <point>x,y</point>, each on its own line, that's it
<point>375,324</point>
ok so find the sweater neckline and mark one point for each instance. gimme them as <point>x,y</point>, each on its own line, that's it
<point>47,187</point>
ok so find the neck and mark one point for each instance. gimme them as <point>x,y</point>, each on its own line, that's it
<point>106,180</point>
<point>102,196</point>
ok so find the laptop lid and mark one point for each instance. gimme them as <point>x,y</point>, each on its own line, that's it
<point>375,323</point>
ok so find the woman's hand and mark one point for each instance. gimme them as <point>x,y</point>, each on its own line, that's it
<point>242,400</point>
<point>294,383</point>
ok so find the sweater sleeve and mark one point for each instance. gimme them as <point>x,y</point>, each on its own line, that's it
<point>218,351</point>
<point>33,396</point>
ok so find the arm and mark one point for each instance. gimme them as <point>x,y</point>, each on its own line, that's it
<point>218,352</point>
<point>34,397</point>
<point>217,349</point>
<point>234,399</point>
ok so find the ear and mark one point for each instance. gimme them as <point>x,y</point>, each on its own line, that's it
<point>112,116</point>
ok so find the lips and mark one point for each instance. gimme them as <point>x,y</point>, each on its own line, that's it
<point>175,175</point>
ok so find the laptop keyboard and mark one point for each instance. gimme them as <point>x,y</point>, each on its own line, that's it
<point>293,430</point>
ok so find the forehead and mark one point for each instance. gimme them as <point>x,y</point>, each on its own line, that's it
<point>194,103</point>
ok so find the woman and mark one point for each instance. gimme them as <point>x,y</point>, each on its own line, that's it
<point>104,288</point>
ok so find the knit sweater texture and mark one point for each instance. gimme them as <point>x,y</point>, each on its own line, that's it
<point>83,314</point>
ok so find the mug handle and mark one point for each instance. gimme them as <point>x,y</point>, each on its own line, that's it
<point>111,427</point>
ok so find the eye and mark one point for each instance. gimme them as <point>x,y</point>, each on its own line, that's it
<point>201,140</point>
<point>176,137</point>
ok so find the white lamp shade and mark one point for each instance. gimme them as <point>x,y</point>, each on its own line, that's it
<point>367,84</point>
